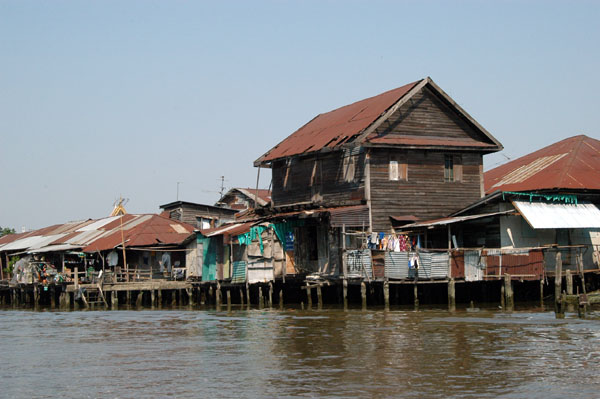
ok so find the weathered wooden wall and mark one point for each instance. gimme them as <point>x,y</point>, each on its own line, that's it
<point>322,185</point>
<point>424,194</point>
<point>428,117</point>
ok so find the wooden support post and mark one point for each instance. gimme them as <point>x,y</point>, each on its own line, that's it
<point>319,297</point>
<point>202,296</point>
<point>569,281</point>
<point>363,294</point>
<point>140,297</point>
<point>248,293</point>
<point>271,292</point>
<point>386,294</point>
<point>261,299</point>
<point>152,298</point>
<point>345,293</point>
<point>308,296</point>
<point>173,297</point>
<point>76,277</point>
<point>502,296</point>
<point>542,292</point>
<point>558,310</point>
<point>191,296</point>
<point>281,298</point>
<point>180,297</point>
<point>210,294</point>
<point>114,299</point>
<point>75,302</point>
<point>416,295</point>
<point>53,296</point>
<point>228,298</point>
<point>241,296</point>
<point>508,292</point>
<point>581,271</point>
<point>160,301</point>
<point>36,295</point>
<point>451,295</point>
<point>218,297</point>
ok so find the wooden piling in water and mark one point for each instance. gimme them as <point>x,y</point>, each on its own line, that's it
<point>308,296</point>
<point>508,291</point>
<point>386,294</point>
<point>261,299</point>
<point>270,294</point>
<point>451,295</point>
<point>281,298</point>
<point>363,294</point>
<point>416,295</point>
<point>558,308</point>
<point>228,298</point>
<point>345,293</point>
<point>319,297</point>
<point>241,296</point>
<point>542,292</point>
<point>139,299</point>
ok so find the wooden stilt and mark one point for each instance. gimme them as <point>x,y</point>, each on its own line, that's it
<point>218,296</point>
<point>242,296</point>
<point>363,294</point>
<point>451,295</point>
<point>308,296</point>
<point>139,299</point>
<point>52,290</point>
<point>416,295</point>
<point>502,296</point>
<point>248,293</point>
<point>228,298</point>
<point>558,309</point>
<point>261,299</point>
<point>281,298</point>
<point>152,298</point>
<point>345,293</point>
<point>386,295</point>
<point>114,300</point>
<point>569,282</point>
<point>508,291</point>
<point>542,292</point>
<point>270,294</point>
<point>159,299</point>
<point>319,297</point>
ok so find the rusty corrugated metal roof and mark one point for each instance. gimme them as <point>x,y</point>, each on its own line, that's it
<point>102,234</point>
<point>355,123</point>
<point>336,127</point>
<point>573,163</point>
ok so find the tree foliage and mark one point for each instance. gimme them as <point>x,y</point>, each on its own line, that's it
<point>6,230</point>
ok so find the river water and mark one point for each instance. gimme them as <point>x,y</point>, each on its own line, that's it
<point>329,353</point>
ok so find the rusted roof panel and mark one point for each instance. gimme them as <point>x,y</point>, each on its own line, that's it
<point>152,230</point>
<point>138,230</point>
<point>573,163</point>
<point>337,126</point>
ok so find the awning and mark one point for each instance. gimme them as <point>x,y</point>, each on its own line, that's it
<point>542,215</point>
<point>451,220</point>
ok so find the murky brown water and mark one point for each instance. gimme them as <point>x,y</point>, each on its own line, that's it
<point>294,353</point>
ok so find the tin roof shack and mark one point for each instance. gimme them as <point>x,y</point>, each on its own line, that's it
<point>244,252</point>
<point>199,215</point>
<point>245,198</point>
<point>408,151</point>
<point>149,240</point>
<point>535,205</point>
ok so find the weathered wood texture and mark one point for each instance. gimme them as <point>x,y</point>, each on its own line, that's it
<point>322,180</point>
<point>427,116</point>
<point>424,194</point>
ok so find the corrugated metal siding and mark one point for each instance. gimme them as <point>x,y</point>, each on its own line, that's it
<point>354,216</point>
<point>474,265</point>
<point>358,262</point>
<point>396,265</point>
<point>239,272</point>
<point>431,265</point>
<point>524,263</point>
<point>439,265</point>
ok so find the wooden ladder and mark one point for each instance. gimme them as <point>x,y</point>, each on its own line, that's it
<point>94,295</point>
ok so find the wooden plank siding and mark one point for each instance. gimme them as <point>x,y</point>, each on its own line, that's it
<point>424,194</point>
<point>426,116</point>
<point>320,185</point>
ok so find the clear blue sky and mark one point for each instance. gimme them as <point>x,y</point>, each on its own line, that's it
<point>106,98</point>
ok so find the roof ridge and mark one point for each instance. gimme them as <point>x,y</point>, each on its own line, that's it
<point>572,156</point>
